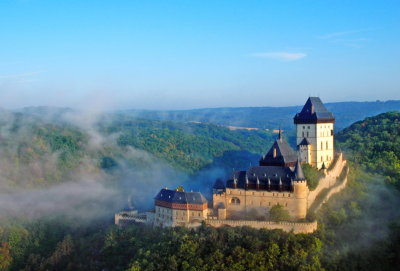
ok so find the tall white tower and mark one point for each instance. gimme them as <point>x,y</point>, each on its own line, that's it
<point>314,133</point>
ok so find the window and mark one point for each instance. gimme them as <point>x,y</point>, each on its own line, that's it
<point>304,127</point>
<point>269,203</point>
<point>234,201</point>
<point>307,134</point>
<point>322,147</point>
<point>286,204</point>
<point>199,213</point>
<point>277,203</point>
<point>192,213</point>
<point>263,194</point>
<point>260,203</point>
<point>288,195</point>
<point>327,147</point>
<point>176,212</point>
<point>283,195</point>
<point>321,158</point>
<point>327,158</point>
<point>308,127</point>
<point>252,193</point>
<point>273,194</point>
<point>277,194</point>
<point>240,192</point>
<point>230,192</point>
<point>303,134</point>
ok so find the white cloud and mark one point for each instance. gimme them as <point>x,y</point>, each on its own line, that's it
<point>20,75</point>
<point>281,56</point>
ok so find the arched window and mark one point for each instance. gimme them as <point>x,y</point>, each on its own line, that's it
<point>234,201</point>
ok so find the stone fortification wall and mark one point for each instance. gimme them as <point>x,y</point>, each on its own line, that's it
<point>128,217</point>
<point>329,180</point>
<point>286,226</point>
<point>333,190</point>
<point>338,166</point>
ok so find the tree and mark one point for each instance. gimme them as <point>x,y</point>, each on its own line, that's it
<point>278,213</point>
<point>180,188</point>
<point>5,258</point>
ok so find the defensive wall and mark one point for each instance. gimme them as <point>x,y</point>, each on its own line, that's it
<point>333,190</point>
<point>131,217</point>
<point>286,226</point>
<point>329,180</point>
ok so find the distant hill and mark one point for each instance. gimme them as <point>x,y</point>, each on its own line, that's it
<point>346,113</point>
<point>374,144</point>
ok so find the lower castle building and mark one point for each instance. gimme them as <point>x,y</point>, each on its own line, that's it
<point>246,197</point>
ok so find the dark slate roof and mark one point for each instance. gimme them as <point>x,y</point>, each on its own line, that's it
<point>320,111</point>
<point>284,153</point>
<point>298,172</point>
<point>323,166</point>
<point>180,197</point>
<point>273,173</point>
<point>219,184</point>
<point>305,142</point>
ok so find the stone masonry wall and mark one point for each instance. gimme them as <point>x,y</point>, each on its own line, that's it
<point>328,181</point>
<point>333,190</point>
<point>286,226</point>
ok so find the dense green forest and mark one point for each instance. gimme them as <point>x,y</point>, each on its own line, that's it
<point>358,229</point>
<point>374,144</point>
<point>346,113</point>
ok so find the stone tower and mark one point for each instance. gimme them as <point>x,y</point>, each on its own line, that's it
<point>314,133</point>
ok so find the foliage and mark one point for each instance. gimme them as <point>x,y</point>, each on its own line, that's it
<point>278,213</point>
<point>312,175</point>
<point>374,144</point>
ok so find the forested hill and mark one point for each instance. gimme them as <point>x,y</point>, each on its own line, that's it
<point>374,144</point>
<point>346,113</point>
<point>60,182</point>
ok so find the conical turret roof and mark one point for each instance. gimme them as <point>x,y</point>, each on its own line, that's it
<point>298,172</point>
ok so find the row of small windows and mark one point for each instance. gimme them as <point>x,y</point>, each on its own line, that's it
<point>308,127</point>
<point>236,201</point>
<point>161,210</point>
<point>273,194</point>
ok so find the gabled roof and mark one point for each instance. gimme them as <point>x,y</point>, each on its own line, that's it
<point>314,111</point>
<point>284,154</point>
<point>180,197</point>
<point>305,142</point>
<point>219,184</point>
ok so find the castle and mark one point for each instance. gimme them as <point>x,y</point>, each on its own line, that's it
<point>247,196</point>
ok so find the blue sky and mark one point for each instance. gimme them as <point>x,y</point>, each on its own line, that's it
<point>197,54</point>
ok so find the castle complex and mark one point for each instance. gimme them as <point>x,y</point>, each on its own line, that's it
<point>247,196</point>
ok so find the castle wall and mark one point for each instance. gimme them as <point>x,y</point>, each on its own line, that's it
<point>333,190</point>
<point>328,181</point>
<point>242,204</point>
<point>286,226</point>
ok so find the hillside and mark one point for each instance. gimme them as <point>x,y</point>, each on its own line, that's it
<point>374,144</point>
<point>358,229</point>
<point>269,117</point>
